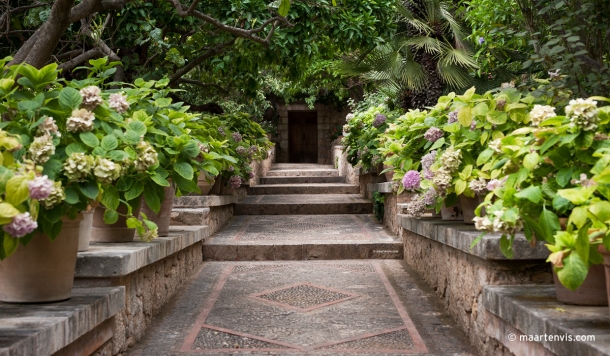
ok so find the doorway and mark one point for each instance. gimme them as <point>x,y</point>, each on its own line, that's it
<point>302,137</point>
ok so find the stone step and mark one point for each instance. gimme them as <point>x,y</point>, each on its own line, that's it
<point>303,173</point>
<point>303,204</point>
<point>294,166</point>
<point>302,237</point>
<point>301,180</point>
<point>306,188</point>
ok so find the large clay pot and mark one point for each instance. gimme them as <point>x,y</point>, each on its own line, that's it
<point>161,218</point>
<point>42,271</point>
<point>452,213</point>
<point>468,207</point>
<point>606,254</point>
<point>117,232</point>
<point>592,292</point>
<point>389,174</point>
<point>84,232</point>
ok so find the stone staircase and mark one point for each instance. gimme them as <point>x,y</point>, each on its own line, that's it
<point>302,212</point>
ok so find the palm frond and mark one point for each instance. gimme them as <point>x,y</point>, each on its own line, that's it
<point>407,16</point>
<point>454,76</point>
<point>458,57</point>
<point>428,44</point>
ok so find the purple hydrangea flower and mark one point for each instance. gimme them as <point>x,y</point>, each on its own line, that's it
<point>411,180</point>
<point>221,130</point>
<point>241,150</point>
<point>231,168</point>
<point>428,174</point>
<point>452,117</point>
<point>473,125</point>
<point>21,225</point>
<point>40,187</point>
<point>235,181</point>
<point>428,160</point>
<point>379,120</point>
<point>481,40</point>
<point>433,134</point>
<point>430,196</point>
<point>236,136</point>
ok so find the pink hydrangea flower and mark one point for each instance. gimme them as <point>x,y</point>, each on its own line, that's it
<point>40,187</point>
<point>411,180</point>
<point>21,225</point>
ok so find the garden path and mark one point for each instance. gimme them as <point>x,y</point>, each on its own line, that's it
<point>303,269</point>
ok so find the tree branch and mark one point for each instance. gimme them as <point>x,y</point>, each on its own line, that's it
<point>201,84</point>
<point>71,64</point>
<point>239,32</point>
<point>195,62</point>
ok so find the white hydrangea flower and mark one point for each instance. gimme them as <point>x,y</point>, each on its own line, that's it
<point>91,97</point>
<point>106,171</point>
<point>540,113</point>
<point>496,145</point>
<point>442,179</point>
<point>118,102</point>
<point>479,186</point>
<point>42,149</point>
<point>78,167</point>
<point>147,157</point>
<point>57,196</point>
<point>80,121</point>
<point>48,126</point>
<point>451,159</point>
<point>583,114</point>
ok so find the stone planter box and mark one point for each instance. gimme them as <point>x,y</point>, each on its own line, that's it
<point>519,317</point>
<point>150,273</point>
<point>440,252</point>
<point>77,326</point>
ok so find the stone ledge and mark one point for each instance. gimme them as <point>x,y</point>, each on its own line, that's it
<point>361,171</point>
<point>120,259</point>
<point>43,329</point>
<point>380,187</point>
<point>459,236</point>
<point>204,201</point>
<point>534,310</point>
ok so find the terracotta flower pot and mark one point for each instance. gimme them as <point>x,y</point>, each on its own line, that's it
<point>42,271</point>
<point>117,232</point>
<point>606,254</point>
<point>468,207</point>
<point>452,213</point>
<point>592,292</point>
<point>161,218</point>
<point>389,174</point>
<point>84,232</point>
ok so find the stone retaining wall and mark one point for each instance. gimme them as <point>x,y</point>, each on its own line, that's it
<point>339,160</point>
<point>458,278</point>
<point>147,290</point>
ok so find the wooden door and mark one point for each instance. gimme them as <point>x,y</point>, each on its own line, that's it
<point>302,137</point>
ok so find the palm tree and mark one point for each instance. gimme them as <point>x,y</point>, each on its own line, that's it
<point>426,57</point>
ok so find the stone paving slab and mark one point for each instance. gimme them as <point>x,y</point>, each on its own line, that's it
<point>43,329</point>
<point>304,188</point>
<point>460,236</point>
<point>203,201</point>
<point>535,311</point>
<point>121,259</point>
<point>317,308</point>
<point>302,166</point>
<point>303,204</point>
<point>302,237</point>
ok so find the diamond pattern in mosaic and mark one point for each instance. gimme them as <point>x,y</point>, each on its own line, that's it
<point>396,340</point>
<point>304,297</point>
<point>303,226</point>
<point>209,339</point>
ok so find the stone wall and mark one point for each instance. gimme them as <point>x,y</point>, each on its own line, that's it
<point>458,278</point>
<point>328,118</point>
<point>147,290</point>
<point>339,159</point>
<point>260,168</point>
<point>391,210</point>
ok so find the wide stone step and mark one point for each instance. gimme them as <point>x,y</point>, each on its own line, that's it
<point>307,188</point>
<point>313,172</point>
<point>302,237</point>
<point>301,180</point>
<point>303,204</point>
<point>294,166</point>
